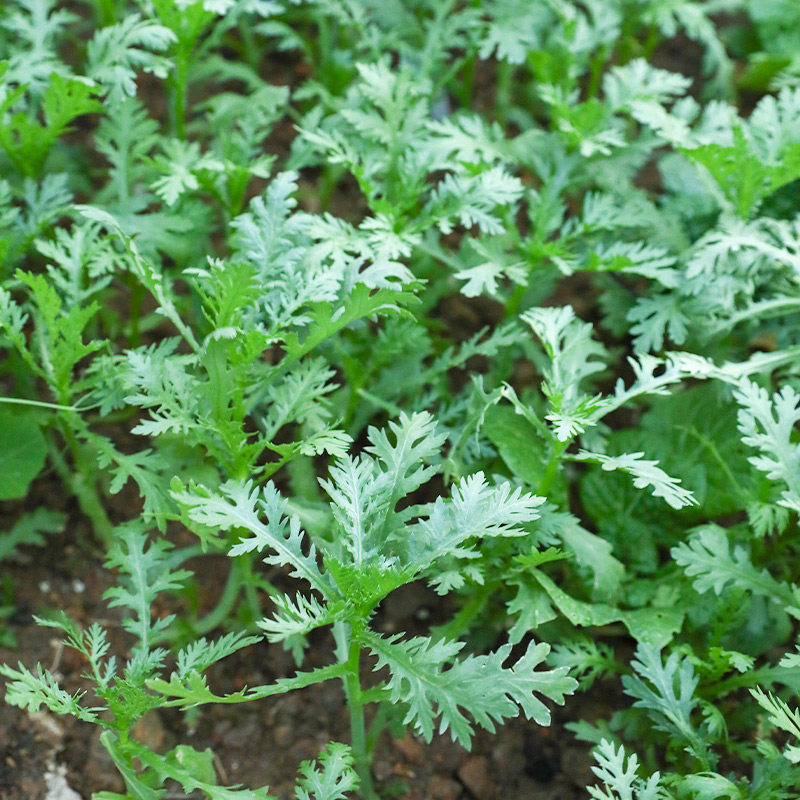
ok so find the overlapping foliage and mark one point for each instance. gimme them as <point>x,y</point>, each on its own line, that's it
<point>485,295</point>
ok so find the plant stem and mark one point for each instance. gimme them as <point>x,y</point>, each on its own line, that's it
<point>19,401</point>
<point>136,298</point>
<point>180,81</point>
<point>237,576</point>
<point>505,81</point>
<point>513,304</point>
<point>355,704</point>
<point>460,623</point>
<point>79,479</point>
<point>106,13</point>
<point>551,470</point>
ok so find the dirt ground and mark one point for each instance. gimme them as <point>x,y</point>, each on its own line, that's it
<point>47,757</point>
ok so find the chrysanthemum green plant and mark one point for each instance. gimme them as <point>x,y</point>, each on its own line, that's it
<point>374,543</point>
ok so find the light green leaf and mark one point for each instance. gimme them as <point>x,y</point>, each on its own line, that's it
<point>645,473</point>
<point>329,778</point>
<point>428,678</point>
<point>238,505</point>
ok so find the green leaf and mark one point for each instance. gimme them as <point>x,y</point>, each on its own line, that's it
<point>28,530</point>
<point>239,505</point>
<point>22,453</point>
<point>769,425</point>
<point>651,626</point>
<point>667,689</point>
<point>594,554</point>
<point>299,616</point>
<point>25,139</point>
<point>329,778</point>
<point>514,30</point>
<point>645,473</point>
<point>148,572</point>
<point>744,178</point>
<point>475,511</point>
<point>472,200</point>
<point>31,691</point>
<point>428,678</point>
<point>782,717</point>
<point>137,789</point>
<point>59,335</point>
<point>531,606</point>
<point>707,558</point>
<point>621,780</point>
<point>711,786</point>
<point>115,51</point>
<point>201,653</point>
<point>416,441</point>
<point>506,430</point>
<point>327,320</point>
<point>193,770</point>
<point>192,690</point>
<point>574,356</point>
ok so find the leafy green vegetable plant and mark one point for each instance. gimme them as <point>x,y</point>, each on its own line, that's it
<point>371,549</point>
<point>124,698</point>
<point>490,296</point>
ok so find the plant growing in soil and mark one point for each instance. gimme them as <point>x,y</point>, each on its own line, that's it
<point>123,696</point>
<point>492,297</point>
<point>376,541</point>
<point>370,548</point>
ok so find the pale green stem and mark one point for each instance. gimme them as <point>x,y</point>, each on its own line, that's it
<point>18,401</point>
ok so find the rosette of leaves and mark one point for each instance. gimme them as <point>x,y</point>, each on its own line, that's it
<point>376,540</point>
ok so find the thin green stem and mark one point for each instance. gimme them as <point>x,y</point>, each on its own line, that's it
<point>376,728</point>
<point>237,576</point>
<point>355,705</point>
<point>18,401</point>
<point>505,82</point>
<point>105,11</point>
<point>79,478</point>
<point>596,67</point>
<point>711,447</point>
<point>552,468</point>
<point>514,302</point>
<point>651,42</point>
<point>747,680</point>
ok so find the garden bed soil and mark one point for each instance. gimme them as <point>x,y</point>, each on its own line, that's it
<point>47,757</point>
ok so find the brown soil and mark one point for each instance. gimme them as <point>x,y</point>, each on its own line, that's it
<point>260,743</point>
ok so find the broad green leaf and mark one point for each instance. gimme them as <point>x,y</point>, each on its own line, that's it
<point>22,453</point>
<point>517,441</point>
<point>531,607</point>
<point>651,626</point>
<point>594,554</point>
